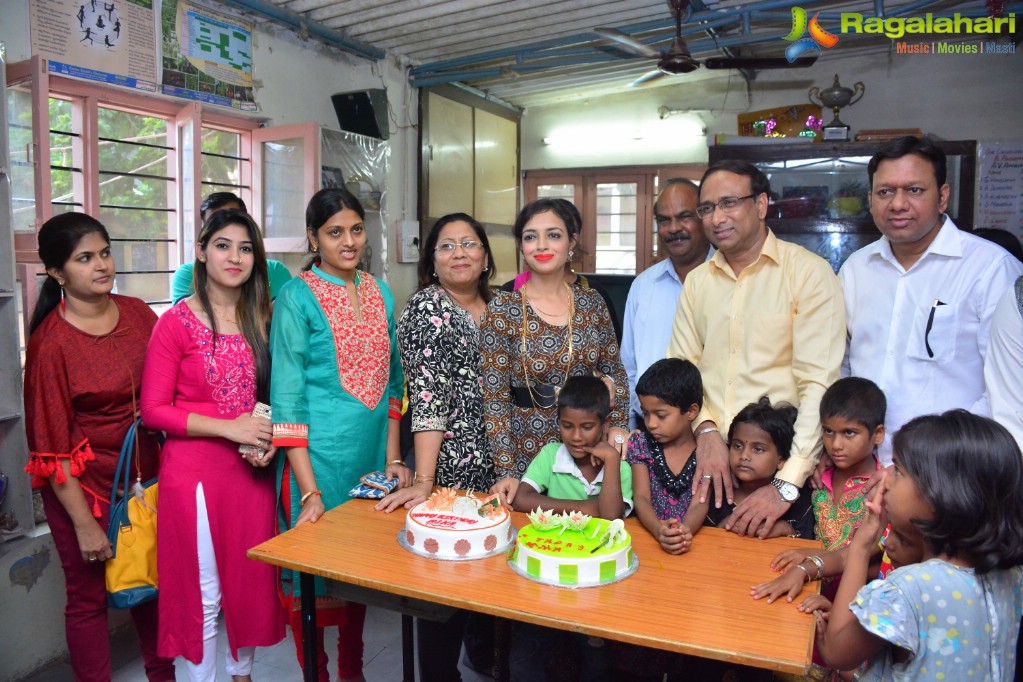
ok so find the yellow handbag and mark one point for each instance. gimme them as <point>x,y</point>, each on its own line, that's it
<point>131,572</point>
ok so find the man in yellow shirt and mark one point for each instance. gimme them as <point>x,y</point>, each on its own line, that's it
<point>762,317</point>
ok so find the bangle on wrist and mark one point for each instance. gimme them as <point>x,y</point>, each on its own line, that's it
<point>707,429</point>
<point>306,496</point>
<point>819,563</point>
<point>802,568</point>
<point>420,478</point>
<point>396,461</point>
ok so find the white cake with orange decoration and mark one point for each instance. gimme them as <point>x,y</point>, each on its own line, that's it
<point>457,525</point>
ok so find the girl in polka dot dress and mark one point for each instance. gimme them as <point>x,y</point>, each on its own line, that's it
<point>957,481</point>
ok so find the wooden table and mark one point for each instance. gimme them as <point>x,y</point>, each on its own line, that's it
<point>697,603</point>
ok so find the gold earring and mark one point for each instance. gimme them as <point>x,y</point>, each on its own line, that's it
<point>316,247</point>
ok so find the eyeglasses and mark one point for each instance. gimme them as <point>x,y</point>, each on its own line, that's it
<point>469,246</point>
<point>726,204</point>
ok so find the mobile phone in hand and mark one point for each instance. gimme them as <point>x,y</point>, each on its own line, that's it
<point>260,410</point>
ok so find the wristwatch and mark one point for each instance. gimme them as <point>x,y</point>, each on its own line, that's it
<point>788,491</point>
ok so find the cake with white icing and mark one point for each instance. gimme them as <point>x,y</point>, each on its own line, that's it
<point>458,525</point>
<point>573,550</point>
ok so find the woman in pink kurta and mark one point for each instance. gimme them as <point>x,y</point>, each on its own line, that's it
<point>200,388</point>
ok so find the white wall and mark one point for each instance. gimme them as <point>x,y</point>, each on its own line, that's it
<point>297,79</point>
<point>953,96</point>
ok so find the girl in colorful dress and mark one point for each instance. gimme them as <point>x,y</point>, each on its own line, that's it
<point>83,370</point>
<point>957,479</point>
<point>207,365</point>
<point>534,338</point>
<point>663,454</point>
<point>336,395</point>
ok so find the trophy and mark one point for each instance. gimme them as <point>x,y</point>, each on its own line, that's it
<point>835,98</point>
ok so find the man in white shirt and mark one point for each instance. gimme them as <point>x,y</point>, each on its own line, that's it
<point>653,297</point>
<point>1003,367</point>
<point>919,300</point>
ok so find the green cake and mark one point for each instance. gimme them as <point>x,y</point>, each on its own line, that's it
<point>573,550</point>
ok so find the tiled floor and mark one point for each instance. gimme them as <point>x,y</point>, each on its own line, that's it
<point>381,658</point>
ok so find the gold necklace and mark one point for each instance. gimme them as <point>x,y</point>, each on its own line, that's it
<point>525,349</point>
<point>222,315</point>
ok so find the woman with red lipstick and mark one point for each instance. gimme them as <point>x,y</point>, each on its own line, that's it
<point>336,392</point>
<point>82,373</point>
<point>207,365</point>
<point>534,338</point>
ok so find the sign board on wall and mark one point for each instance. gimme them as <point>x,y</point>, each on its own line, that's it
<point>1000,186</point>
<point>111,41</point>
<point>207,55</point>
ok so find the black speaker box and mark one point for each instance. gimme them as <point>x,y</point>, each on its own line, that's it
<point>363,112</point>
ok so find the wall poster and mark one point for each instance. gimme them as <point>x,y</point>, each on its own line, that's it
<point>207,55</point>
<point>1000,186</point>
<point>111,41</point>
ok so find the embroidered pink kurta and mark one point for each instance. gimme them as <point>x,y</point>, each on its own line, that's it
<point>184,374</point>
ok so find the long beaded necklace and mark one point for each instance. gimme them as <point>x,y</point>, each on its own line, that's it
<point>525,350</point>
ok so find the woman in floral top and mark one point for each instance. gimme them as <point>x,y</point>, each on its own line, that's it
<point>439,339</point>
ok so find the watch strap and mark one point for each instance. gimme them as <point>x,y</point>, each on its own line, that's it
<point>788,491</point>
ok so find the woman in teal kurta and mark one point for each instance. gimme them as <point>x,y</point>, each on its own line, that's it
<point>336,391</point>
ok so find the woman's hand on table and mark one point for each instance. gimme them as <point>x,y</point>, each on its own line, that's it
<point>405,497</point>
<point>789,558</point>
<point>400,472</point>
<point>248,430</point>
<point>506,489</point>
<point>93,542</point>
<point>311,511</point>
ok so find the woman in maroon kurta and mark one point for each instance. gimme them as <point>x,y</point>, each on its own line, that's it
<point>201,386</point>
<point>82,375</point>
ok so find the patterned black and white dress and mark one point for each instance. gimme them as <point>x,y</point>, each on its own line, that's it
<point>516,433</point>
<point>440,353</point>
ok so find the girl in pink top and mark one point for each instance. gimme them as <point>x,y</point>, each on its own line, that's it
<point>206,366</point>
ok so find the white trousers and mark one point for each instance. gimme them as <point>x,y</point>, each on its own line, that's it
<point>209,585</point>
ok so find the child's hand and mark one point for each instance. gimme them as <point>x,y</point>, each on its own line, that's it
<point>816,602</point>
<point>790,584</point>
<point>675,537</point>
<point>506,489</point>
<point>789,558</point>
<point>870,531</point>
<point>603,453</point>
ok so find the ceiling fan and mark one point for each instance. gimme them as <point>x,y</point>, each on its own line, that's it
<point>677,59</point>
